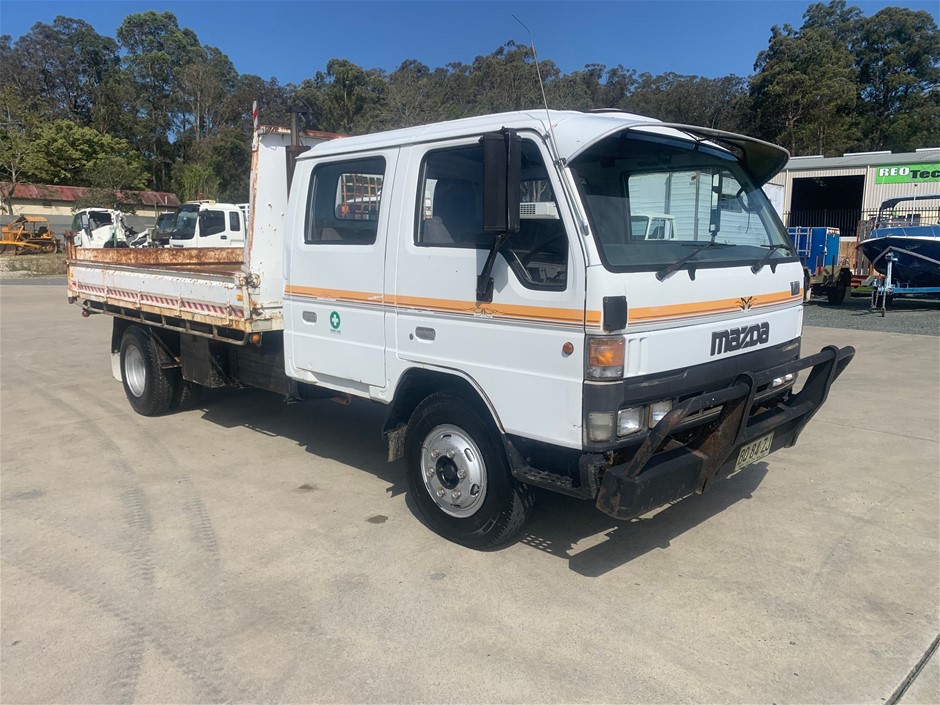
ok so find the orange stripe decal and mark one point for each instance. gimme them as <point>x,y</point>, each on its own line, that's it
<point>704,308</point>
<point>531,313</point>
<point>539,313</point>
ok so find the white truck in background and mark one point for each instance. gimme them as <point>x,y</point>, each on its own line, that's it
<point>483,279</point>
<point>210,224</point>
<point>100,228</point>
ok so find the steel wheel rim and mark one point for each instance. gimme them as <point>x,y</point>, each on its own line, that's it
<point>135,370</point>
<point>453,471</point>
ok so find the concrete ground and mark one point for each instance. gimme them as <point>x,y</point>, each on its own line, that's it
<point>256,551</point>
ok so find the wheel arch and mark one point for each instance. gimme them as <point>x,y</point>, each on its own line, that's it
<point>167,342</point>
<point>418,383</point>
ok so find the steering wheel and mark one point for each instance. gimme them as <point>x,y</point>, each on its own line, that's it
<point>525,257</point>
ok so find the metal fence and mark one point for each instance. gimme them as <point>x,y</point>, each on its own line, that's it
<point>859,223</point>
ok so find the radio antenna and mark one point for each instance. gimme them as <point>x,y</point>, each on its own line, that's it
<point>538,72</point>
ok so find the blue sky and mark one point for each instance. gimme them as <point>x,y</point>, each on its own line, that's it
<point>292,40</point>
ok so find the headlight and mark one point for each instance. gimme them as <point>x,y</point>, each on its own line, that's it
<point>600,427</point>
<point>631,420</point>
<point>658,410</point>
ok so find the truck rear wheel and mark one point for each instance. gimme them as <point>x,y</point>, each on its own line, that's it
<point>148,386</point>
<point>458,474</point>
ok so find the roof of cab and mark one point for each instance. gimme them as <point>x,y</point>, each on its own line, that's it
<point>573,130</point>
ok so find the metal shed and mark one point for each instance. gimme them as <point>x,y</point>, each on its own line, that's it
<point>845,192</point>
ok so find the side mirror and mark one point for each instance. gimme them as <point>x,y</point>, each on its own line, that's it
<point>502,166</point>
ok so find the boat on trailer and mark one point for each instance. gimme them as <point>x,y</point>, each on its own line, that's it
<point>906,255</point>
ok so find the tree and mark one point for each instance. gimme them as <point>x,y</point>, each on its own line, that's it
<point>804,90</point>
<point>343,98</point>
<point>60,69</point>
<point>898,57</point>
<point>194,181</point>
<point>507,80</point>
<point>274,101</point>
<point>204,86</point>
<point>20,156</point>
<point>414,94</point>
<point>695,100</point>
<point>157,50</point>
<point>838,18</point>
<point>74,155</point>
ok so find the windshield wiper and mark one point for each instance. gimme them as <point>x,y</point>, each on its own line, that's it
<point>670,268</point>
<point>759,265</point>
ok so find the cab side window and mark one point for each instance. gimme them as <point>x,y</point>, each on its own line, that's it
<point>450,214</point>
<point>234,221</point>
<point>344,202</point>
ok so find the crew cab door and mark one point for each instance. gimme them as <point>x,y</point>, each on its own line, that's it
<point>220,228</point>
<point>513,348</point>
<point>334,303</point>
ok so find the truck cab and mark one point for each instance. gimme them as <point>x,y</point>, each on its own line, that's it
<point>579,283</point>
<point>209,224</point>
<point>100,228</point>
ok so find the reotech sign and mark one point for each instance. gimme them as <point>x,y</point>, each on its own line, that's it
<point>907,174</point>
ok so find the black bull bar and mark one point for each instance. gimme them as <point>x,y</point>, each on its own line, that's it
<point>663,470</point>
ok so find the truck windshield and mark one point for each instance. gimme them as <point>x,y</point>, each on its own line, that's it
<point>652,200</point>
<point>186,218</point>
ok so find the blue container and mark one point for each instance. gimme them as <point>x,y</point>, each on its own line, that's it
<point>816,246</point>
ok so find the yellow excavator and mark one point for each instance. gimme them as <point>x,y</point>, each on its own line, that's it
<point>28,234</point>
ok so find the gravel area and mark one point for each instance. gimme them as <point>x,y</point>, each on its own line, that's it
<point>917,316</point>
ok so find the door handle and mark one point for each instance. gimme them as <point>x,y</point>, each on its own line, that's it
<point>224,237</point>
<point>309,316</point>
<point>425,333</point>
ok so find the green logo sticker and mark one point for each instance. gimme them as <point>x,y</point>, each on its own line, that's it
<point>334,320</point>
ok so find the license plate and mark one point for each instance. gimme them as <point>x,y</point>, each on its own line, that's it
<point>754,451</point>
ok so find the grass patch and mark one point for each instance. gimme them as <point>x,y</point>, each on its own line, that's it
<point>36,265</point>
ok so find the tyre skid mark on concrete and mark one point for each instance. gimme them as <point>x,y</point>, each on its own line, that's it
<point>137,538</point>
<point>208,579</point>
<point>142,629</point>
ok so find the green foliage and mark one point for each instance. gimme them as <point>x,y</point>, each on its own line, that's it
<point>195,181</point>
<point>154,108</point>
<point>805,90</point>
<point>81,156</point>
<point>898,56</point>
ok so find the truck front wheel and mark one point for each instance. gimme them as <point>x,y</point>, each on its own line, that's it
<point>458,474</point>
<point>148,386</point>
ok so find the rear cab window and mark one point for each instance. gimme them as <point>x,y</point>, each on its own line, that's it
<point>344,202</point>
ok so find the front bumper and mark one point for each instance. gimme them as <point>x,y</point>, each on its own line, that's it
<point>663,470</point>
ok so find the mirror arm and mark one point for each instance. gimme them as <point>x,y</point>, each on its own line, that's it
<point>485,278</point>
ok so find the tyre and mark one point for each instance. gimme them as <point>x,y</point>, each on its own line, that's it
<point>836,294</point>
<point>149,387</point>
<point>186,395</point>
<point>458,474</point>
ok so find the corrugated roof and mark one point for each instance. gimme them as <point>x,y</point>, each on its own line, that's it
<point>70,194</point>
<point>860,161</point>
